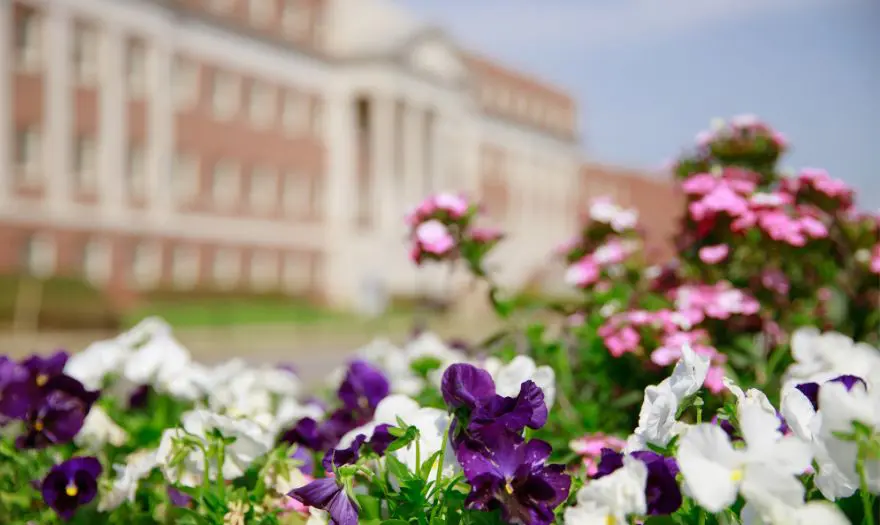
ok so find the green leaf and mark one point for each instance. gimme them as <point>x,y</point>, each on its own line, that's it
<point>427,465</point>
<point>397,469</point>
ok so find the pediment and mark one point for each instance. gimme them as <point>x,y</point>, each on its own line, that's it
<point>436,56</point>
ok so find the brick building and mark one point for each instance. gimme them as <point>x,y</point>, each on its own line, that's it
<point>266,144</point>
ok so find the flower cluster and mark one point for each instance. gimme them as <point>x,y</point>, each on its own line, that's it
<point>442,229</point>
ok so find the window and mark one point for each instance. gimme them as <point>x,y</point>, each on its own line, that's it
<point>186,83</point>
<point>137,171</point>
<point>226,268</point>
<point>317,120</point>
<point>264,270</point>
<point>225,99</point>
<point>296,113</point>
<point>38,255</point>
<point>28,154</point>
<point>28,41</point>
<point>297,273</point>
<point>85,55</point>
<point>225,183</point>
<point>261,11</point>
<point>136,69</point>
<point>186,177</point>
<point>264,190</point>
<point>221,6</point>
<point>261,104</point>
<point>185,267</point>
<point>146,268</point>
<point>297,194</point>
<point>295,19</point>
<point>84,169</point>
<point>96,262</point>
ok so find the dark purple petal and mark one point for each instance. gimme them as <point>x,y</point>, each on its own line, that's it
<point>57,416</point>
<point>662,492</point>
<point>363,387</point>
<point>514,413</point>
<point>381,439</point>
<point>42,369</point>
<point>811,391</point>
<point>326,494</point>
<point>609,462</point>
<point>466,386</point>
<point>727,427</point>
<point>140,397</point>
<point>71,484</point>
<point>337,457</point>
<point>849,381</point>
<point>304,433</point>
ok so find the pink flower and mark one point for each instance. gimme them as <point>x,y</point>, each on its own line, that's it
<point>780,139</point>
<point>813,227</point>
<point>704,138</point>
<point>714,379</point>
<point>824,183</point>
<point>582,273</point>
<point>746,121</point>
<point>434,237</point>
<point>576,319</point>
<point>590,448</point>
<point>567,246</point>
<point>714,254</point>
<point>455,205</point>
<point>720,199</point>
<point>625,340</point>
<point>611,252</point>
<point>699,184</point>
<point>875,259</point>
<point>485,234</point>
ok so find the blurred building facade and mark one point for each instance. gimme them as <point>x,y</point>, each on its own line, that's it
<point>266,144</point>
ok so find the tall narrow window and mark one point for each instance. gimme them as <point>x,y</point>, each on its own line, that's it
<point>28,155</point>
<point>137,170</point>
<point>39,256</point>
<point>85,54</point>
<point>84,168</point>
<point>28,41</point>
<point>136,69</point>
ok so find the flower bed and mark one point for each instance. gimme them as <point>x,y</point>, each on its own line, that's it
<point>726,387</point>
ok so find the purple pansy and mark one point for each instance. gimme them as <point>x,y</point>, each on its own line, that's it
<point>42,369</point>
<point>662,492</point>
<point>305,432</point>
<point>363,387</point>
<point>337,457</point>
<point>178,498</point>
<point>140,398</point>
<point>327,494</point>
<point>466,386</point>
<point>306,459</point>
<point>381,438</point>
<point>727,427</point>
<point>514,413</point>
<point>70,485</point>
<point>811,390</point>
<point>16,390</point>
<point>58,415</point>
<point>512,475</point>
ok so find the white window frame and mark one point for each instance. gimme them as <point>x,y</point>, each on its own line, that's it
<point>136,170</point>
<point>146,265</point>
<point>225,95</point>
<point>186,82</point>
<point>85,55</point>
<point>85,162</point>
<point>136,66</point>
<point>40,255</point>
<point>96,267</point>
<point>261,104</point>
<point>263,191</point>
<point>226,183</point>
<point>29,43</point>
<point>264,270</point>
<point>226,268</point>
<point>316,117</point>
<point>29,145</point>
<point>185,267</point>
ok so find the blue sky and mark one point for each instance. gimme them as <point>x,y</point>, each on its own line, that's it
<point>650,74</point>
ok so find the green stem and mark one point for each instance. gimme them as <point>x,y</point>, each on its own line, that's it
<point>864,493</point>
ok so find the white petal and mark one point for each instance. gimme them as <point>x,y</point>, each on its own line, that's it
<point>709,466</point>
<point>798,412</point>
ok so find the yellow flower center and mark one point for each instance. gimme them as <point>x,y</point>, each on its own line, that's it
<point>71,490</point>
<point>42,379</point>
<point>609,520</point>
<point>38,426</point>
<point>508,488</point>
<point>736,475</point>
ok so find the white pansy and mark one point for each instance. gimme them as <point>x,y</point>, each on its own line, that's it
<point>318,517</point>
<point>138,466</point>
<point>822,356</point>
<point>689,373</point>
<point>99,430</point>
<point>751,397</point>
<point>610,499</point>
<point>657,423</point>
<point>714,472</point>
<point>157,361</point>
<point>510,377</point>
<point>98,360</point>
<point>251,442</point>
<point>811,513</point>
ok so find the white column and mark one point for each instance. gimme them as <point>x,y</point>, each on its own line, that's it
<point>440,176</point>
<point>57,128</point>
<point>340,283</point>
<point>383,192</point>
<point>113,128</point>
<point>160,134</point>
<point>7,70</point>
<point>413,155</point>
